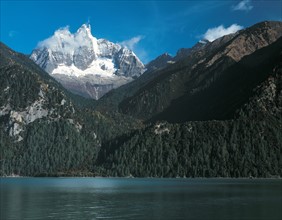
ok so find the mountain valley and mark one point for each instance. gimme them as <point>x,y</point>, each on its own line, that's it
<point>213,110</point>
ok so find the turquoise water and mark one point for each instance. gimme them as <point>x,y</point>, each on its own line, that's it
<point>121,198</point>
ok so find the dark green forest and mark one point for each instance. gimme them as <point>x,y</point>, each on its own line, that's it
<point>50,148</point>
<point>247,146</point>
<point>239,148</point>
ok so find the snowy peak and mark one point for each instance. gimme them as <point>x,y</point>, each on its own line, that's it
<point>80,54</point>
<point>62,33</point>
<point>85,29</point>
<point>107,48</point>
<point>81,49</point>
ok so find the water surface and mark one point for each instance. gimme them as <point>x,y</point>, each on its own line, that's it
<point>121,198</point>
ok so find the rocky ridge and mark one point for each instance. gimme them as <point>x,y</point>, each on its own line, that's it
<point>179,87</point>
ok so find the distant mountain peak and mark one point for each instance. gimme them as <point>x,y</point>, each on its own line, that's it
<point>160,62</point>
<point>166,55</point>
<point>85,30</point>
<point>86,27</point>
<point>84,64</point>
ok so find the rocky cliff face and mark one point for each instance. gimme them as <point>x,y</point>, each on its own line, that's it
<point>28,95</point>
<point>83,63</point>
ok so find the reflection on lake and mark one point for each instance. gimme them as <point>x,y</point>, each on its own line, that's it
<point>121,198</point>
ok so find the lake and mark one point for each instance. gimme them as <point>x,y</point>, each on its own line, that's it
<point>144,198</point>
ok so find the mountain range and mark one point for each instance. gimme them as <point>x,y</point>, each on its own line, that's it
<point>191,89</point>
<point>213,110</point>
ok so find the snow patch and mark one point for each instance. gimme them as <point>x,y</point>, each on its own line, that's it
<point>170,62</point>
<point>103,67</point>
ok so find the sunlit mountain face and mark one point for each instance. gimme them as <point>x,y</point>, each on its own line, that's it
<point>86,65</point>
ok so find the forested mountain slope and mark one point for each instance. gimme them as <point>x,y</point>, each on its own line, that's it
<point>226,99</point>
<point>249,145</point>
<point>42,130</point>
<point>213,81</point>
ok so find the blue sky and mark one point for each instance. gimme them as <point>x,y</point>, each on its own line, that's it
<point>150,28</point>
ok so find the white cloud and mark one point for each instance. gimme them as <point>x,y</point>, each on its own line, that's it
<point>70,41</point>
<point>73,41</point>
<point>244,5</point>
<point>131,43</point>
<point>55,40</point>
<point>217,32</point>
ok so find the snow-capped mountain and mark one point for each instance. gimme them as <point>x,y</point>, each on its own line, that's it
<point>86,65</point>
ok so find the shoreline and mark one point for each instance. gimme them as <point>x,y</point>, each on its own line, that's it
<point>131,177</point>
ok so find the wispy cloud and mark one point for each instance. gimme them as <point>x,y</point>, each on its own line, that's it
<point>245,5</point>
<point>217,32</point>
<point>132,42</point>
<point>12,33</point>
<point>70,41</point>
